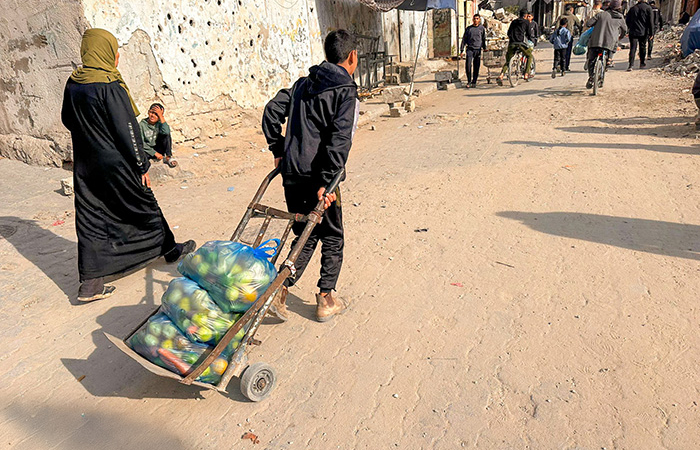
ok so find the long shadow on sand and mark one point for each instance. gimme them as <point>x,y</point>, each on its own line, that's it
<point>651,236</point>
<point>683,150</point>
<point>54,255</point>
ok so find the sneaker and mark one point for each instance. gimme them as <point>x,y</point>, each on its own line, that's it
<point>563,73</point>
<point>278,307</point>
<point>589,83</point>
<point>642,65</point>
<point>179,251</point>
<point>554,73</point>
<point>107,291</point>
<point>327,307</point>
<point>629,68</point>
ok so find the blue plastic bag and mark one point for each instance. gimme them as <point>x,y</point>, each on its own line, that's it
<point>162,343</point>
<point>195,314</point>
<point>233,274</point>
<point>690,40</point>
<point>582,45</point>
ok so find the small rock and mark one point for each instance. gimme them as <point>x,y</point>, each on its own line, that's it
<point>395,395</point>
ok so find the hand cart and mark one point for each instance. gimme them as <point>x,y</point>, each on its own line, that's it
<point>493,59</point>
<point>258,379</point>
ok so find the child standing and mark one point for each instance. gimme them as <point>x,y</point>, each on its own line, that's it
<point>321,111</point>
<point>560,39</point>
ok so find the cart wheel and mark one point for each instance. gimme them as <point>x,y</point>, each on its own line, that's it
<point>257,381</point>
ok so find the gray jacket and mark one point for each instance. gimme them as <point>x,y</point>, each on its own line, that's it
<point>608,28</point>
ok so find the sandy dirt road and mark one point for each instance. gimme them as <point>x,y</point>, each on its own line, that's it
<point>551,303</point>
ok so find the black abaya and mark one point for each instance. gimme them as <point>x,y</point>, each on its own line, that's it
<point>118,221</point>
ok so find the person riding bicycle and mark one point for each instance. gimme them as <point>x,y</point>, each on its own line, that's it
<point>519,33</point>
<point>608,28</point>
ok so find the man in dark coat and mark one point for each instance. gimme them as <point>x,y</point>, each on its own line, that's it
<point>321,112</point>
<point>118,222</point>
<point>474,40</point>
<point>657,21</point>
<point>608,28</point>
<point>639,25</point>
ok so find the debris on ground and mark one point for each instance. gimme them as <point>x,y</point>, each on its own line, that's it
<point>668,42</point>
<point>250,436</point>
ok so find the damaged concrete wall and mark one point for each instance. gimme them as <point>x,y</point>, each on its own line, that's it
<point>38,41</point>
<point>204,59</point>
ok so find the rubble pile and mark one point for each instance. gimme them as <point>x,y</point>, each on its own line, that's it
<point>497,23</point>
<point>668,41</point>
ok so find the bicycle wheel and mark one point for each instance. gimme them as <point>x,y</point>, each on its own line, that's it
<point>514,70</point>
<point>532,68</point>
<point>597,74</point>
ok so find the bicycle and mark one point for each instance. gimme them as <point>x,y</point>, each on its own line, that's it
<point>516,67</point>
<point>600,66</point>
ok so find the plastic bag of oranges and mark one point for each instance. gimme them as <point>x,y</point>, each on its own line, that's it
<point>233,274</point>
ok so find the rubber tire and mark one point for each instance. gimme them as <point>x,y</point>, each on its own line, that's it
<point>514,70</point>
<point>597,72</point>
<point>533,69</point>
<point>252,375</point>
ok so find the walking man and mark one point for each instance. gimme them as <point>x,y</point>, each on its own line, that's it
<point>657,22</point>
<point>474,40</point>
<point>573,24</point>
<point>639,24</point>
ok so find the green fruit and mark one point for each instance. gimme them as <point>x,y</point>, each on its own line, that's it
<point>190,357</point>
<point>203,269</point>
<point>205,334</point>
<point>199,319</point>
<point>246,277</point>
<point>169,331</point>
<point>236,268</point>
<point>221,325</point>
<point>155,328</point>
<point>150,340</point>
<point>174,294</point>
<point>181,342</point>
<point>185,303</point>
<point>186,323</point>
<point>232,294</point>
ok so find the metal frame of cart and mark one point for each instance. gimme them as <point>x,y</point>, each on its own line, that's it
<point>258,379</point>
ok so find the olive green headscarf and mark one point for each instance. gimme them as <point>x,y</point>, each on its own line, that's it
<point>98,50</point>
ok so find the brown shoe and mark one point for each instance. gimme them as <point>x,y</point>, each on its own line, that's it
<point>278,307</point>
<point>328,307</point>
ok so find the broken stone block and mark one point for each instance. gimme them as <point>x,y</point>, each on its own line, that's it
<point>499,14</point>
<point>443,76</point>
<point>392,78</point>
<point>394,95</point>
<point>397,112</point>
<point>458,84</point>
<point>67,186</point>
<point>409,105</point>
<point>446,86</point>
<point>486,13</point>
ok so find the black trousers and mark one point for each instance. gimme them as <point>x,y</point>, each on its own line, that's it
<point>650,45</point>
<point>302,199</point>
<point>559,59</point>
<point>569,49</point>
<point>164,145</point>
<point>473,62</point>
<point>640,42</point>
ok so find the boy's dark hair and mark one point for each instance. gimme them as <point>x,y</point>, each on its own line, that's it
<point>563,21</point>
<point>476,15</point>
<point>523,12</point>
<point>338,45</point>
<point>158,105</point>
<point>569,8</point>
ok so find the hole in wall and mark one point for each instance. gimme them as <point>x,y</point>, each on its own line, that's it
<point>199,73</point>
<point>191,22</point>
<point>160,28</point>
<point>208,23</point>
<point>169,16</point>
<point>251,42</point>
<point>213,63</point>
<point>194,63</point>
<point>218,2</point>
<point>182,50</point>
<point>179,29</point>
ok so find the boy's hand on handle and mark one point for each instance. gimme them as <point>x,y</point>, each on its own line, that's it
<point>159,156</point>
<point>327,199</point>
<point>277,162</point>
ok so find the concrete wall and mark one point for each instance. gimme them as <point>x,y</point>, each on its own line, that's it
<point>202,58</point>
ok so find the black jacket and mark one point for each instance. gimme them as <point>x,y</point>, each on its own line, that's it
<point>534,32</point>
<point>639,21</point>
<point>322,111</point>
<point>657,19</point>
<point>519,31</point>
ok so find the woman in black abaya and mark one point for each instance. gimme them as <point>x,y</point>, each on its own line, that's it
<point>119,224</point>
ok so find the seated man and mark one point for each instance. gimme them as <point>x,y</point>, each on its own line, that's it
<point>519,33</point>
<point>155,134</point>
